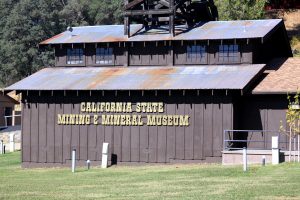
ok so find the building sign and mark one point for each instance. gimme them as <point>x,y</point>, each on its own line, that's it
<point>122,114</point>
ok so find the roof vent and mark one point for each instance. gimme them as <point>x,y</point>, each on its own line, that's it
<point>70,29</point>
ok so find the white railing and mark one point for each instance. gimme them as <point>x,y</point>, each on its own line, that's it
<point>13,117</point>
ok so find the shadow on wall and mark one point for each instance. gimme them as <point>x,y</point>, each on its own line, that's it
<point>114,159</point>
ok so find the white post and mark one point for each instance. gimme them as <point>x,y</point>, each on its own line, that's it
<point>12,142</point>
<point>104,155</point>
<point>73,160</point>
<point>245,159</point>
<point>1,147</point>
<point>88,164</point>
<point>13,120</point>
<point>275,150</point>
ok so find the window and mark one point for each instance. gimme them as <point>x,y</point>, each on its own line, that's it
<point>104,56</point>
<point>229,54</point>
<point>196,54</point>
<point>8,116</point>
<point>74,56</point>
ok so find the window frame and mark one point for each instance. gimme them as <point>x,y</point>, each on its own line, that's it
<point>106,50</point>
<point>229,53</point>
<point>199,52</point>
<point>8,111</point>
<point>82,62</point>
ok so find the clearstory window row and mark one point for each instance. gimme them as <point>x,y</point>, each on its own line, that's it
<point>227,53</point>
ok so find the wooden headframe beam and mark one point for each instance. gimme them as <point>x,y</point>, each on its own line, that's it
<point>164,3</point>
<point>126,23</point>
<point>172,18</point>
<point>132,4</point>
<point>148,12</point>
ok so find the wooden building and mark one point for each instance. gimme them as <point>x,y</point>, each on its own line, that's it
<point>155,95</point>
<point>7,106</point>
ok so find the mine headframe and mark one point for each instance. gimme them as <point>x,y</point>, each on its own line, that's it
<point>153,13</point>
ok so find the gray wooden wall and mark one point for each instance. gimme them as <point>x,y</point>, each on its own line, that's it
<point>263,112</point>
<point>46,142</point>
<point>162,53</point>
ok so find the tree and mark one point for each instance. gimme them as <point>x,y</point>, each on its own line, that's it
<point>293,122</point>
<point>241,9</point>
<point>24,24</point>
<point>108,12</point>
<point>29,23</point>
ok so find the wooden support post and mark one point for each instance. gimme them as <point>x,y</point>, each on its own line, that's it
<point>126,26</point>
<point>126,21</point>
<point>126,54</point>
<point>171,22</point>
<point>171,25</point>
<point>171,52</point>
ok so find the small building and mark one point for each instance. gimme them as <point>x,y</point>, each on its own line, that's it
<point>7,107</point>
<point>10,121</point>
<point>158,94</point>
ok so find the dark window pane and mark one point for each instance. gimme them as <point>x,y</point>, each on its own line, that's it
<point>74,56</point>
<point>196,54</point>
<point>104,56</point>
<point>229,54</point>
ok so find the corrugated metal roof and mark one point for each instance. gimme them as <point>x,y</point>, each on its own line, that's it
<point>140,78</point>
<point>209,31</point>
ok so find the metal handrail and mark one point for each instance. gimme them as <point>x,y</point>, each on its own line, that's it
<point>227,142</point>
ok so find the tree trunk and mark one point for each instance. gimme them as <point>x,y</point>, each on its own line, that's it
<point>298,156</point>
<point>294,139</point>
<point>290,144</point>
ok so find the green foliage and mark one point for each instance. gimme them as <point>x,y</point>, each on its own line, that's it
<point>24,24</point>
<point>241,9</point>
<point>105,13</point>
<point>29,22</point>
<point>292,116</point>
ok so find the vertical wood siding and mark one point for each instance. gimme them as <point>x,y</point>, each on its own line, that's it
<point>263,112</point>
<point>162,53</point>
<point>44,141</point>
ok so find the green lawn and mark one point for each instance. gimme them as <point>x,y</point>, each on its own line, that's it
<point>149,182</point>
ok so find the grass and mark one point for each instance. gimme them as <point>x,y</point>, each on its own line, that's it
<point>149,182</point>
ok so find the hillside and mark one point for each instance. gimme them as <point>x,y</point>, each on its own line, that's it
<point>292,23</point>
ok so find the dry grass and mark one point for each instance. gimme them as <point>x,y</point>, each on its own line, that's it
<point>292,22</point>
